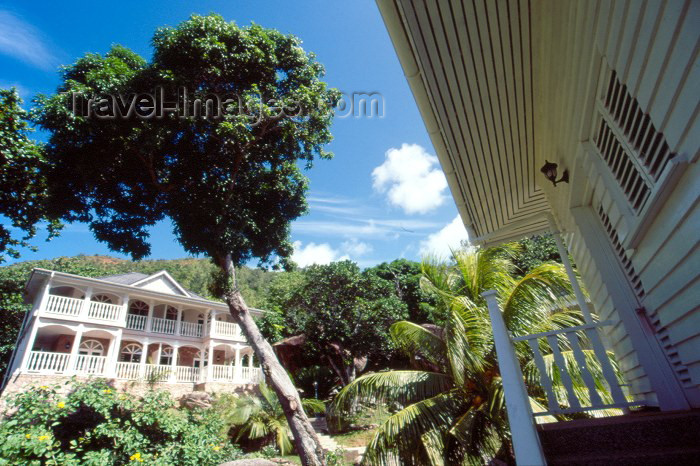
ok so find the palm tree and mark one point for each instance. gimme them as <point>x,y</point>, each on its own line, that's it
<point>261,419</point>
<point>454,410</point>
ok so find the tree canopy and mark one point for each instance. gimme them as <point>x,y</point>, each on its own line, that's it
<point>23,193</point>
<point>230,183</point>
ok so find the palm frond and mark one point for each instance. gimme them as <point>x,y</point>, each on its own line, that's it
<point>414,339</point>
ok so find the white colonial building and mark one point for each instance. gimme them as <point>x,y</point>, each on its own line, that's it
<point>129,327</point>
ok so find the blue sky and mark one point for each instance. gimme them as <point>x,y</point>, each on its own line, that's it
<point>380,198</point>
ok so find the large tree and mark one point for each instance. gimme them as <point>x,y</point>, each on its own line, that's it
<point>23,193</point>
<point>230,182</point>
<point>344,316</point>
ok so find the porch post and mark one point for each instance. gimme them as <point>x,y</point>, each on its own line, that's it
<point>526,441</point>
<point>86,302</point>
<point>149,319</point>
<point>29,345</point>
<point>44,296</point>
<point>210,366</point>
<point>178,324</point>
<point>237,367</point>
<point>113,355</point>
<point>125,309</point>
<point>158,353</point>
<point>173,363</point>
<point>72,360</point>
<point>564,254</point>
<point>144,356</point>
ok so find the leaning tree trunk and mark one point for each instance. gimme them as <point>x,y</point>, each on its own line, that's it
<point>305,438</point>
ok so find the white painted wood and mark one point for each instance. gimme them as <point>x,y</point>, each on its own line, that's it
<point>526,442</point>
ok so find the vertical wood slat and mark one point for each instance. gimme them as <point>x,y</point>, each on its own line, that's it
<point>563,373</point>
<point>586,375</point>
<point>606,366</point>
<point>546,382</point>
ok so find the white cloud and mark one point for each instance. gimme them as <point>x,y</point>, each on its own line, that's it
<point>356,248</point>
<point>447,238</point>
<point>314,253</point>
<point>362,228</point>
<point>22,41</point>
<point>412,179</point>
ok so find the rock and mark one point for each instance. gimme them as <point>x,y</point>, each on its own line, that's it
<point>250,462</point>
<point>196,400</point>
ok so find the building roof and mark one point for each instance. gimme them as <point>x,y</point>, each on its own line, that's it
<point>124,278</point>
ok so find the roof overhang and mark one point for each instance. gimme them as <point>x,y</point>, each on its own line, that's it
<point>470,68</point>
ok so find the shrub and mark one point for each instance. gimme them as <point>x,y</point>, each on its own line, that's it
<point>96,425</point>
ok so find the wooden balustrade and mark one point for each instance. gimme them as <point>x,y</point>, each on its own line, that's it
<point>160,325</point>
<point>104,311</point>
<point>136,322</point>
<point>63,305</point>
<point>90,365</point>
<point>48,362</point>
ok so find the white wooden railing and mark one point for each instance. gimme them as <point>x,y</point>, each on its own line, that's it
<point>90,365</point>
<point>526,442</point>
<point>226,329</point>
<point>251,374</point>
<point>104,311</point>
<point>157,372</point>
<point>187,374</point>
<point>63,305</point>
<point>571,338</point>
<point>159,325</point>
<point>47,362</point>
<point>128,370</point>
<point>136,322</point>
<point>190,329</point>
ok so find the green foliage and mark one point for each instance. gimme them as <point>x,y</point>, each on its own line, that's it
<point>535,251</point>
<point>230,184</point>
<point>95,425</point>
<point>259,421</point>
<point>453,407</point>
<point>23,193</point>
<point>344,315</point>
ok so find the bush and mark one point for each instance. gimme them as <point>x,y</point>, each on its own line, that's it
<point>96,425</point>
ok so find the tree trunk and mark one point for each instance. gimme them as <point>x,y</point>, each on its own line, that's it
<point>305,439</point>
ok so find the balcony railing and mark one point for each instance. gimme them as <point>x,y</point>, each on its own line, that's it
<point>159,325</point>
<point>104,311</point>
<point>187,374</point>
<point>46,362</point>
<point>191,329</point>
<point>226,329</point>
<point>136,322</point>
<point>233,374</point>
<point>63,305</point>
<point>128,370</point>
<point>90,365</point>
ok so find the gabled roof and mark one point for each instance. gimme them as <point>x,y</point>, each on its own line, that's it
<point>160,281</point>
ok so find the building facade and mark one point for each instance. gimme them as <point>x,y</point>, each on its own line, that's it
<point>128,328</point>
<point>578,118</point>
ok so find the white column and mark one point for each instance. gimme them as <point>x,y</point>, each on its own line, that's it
<point>74,349</point>
<point>173,363</point>
<point>113,355</point>
<point>149,319</point>
<point>526,442</point>
<point>237,368</point>
<point>158,353</point>
<point>125,309</point>
<point>212,324</point>
<point>179,320</point>
<point>210,366</point>
<point>44,298</point>
<point>144,356</point>
<point>29,344</point>
<point>86,302</point>
<point>564,254</point>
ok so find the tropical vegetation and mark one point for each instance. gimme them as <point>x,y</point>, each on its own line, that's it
<point>94,424</point>
<point>453,406</point>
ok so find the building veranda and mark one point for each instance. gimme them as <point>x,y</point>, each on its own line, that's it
<point>133,329</point>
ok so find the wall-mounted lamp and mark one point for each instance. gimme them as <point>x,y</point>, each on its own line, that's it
<point>67,345</point>
<point>550,172</point>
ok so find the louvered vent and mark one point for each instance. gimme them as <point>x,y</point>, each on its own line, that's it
<point>628,176</point>
<point>622,254</point>
<point>640,134</point>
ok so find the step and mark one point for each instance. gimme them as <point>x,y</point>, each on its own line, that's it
<point>630,437</point>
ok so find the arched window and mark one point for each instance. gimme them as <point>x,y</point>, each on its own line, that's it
<point>102,298</point>
<point>91,348</point>
<point>131,353</point>
<point>171,313</point>
<point>166,355</point>
<point>138,308</point>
